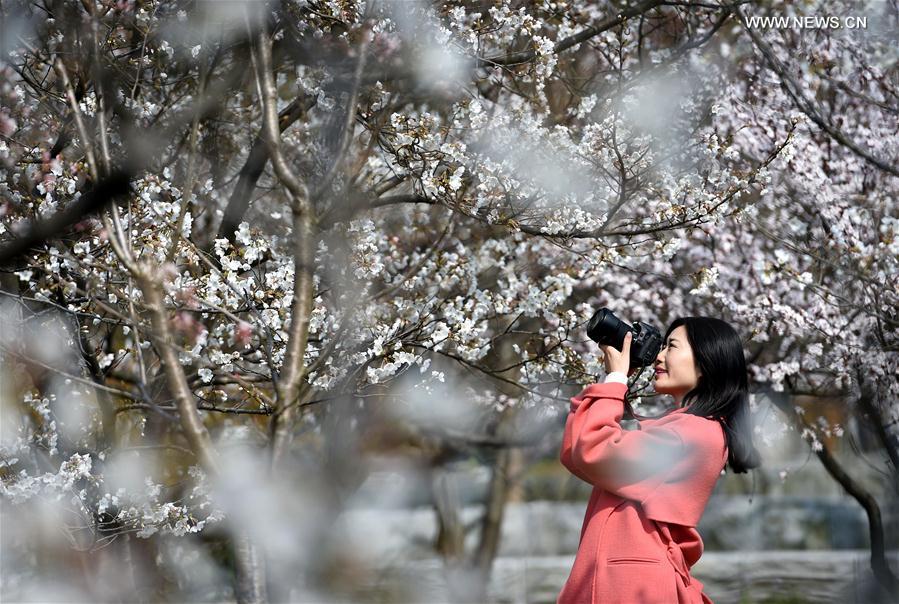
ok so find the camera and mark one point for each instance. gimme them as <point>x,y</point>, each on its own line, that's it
<point>607,329</point>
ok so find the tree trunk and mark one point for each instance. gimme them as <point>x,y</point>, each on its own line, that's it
<point>492,522</point>
<point>879,565</point>
<point>249,587</point>
<point>875,419</point>
<point>450,533</point>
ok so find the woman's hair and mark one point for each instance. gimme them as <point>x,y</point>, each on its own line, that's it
<point>723,389</point>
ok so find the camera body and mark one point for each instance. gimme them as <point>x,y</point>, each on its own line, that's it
<point>607,329</point>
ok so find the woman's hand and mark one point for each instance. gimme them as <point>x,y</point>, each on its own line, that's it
<point>615,360</point>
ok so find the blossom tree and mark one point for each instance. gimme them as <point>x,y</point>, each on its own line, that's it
<point>246,245</point>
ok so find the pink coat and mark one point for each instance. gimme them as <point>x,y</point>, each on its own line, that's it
<point>651,486</point>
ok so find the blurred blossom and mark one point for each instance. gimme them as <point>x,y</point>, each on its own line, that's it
<point>7,124</point>
<point>551,170</point>
<point>770,431</point>
<point>200,578</point>
<point>128,470</point>
<point>41,526</point>
<point>75,410</point>
<point>657,106</point>
<point>655,102</point>
<point>47,342</point>
<point>437,65</point>
<point>210,22</point>
<point>243,333</point>
<point>17,24</point>
<point>439,406</point>
<point>282,515</point>
<point>439,68</point>
<point>395,483</point>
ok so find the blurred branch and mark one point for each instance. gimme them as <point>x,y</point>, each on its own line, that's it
<point>492,520</point>
<point>482,440</point>
<point>877,420</point>
<point>104,401</point>
<point>75,378</point>
<point>86,143</point>
<point>108,189</point>
<point>190,176</point>
<point>450,539</point>
<point>345,127</point>
<point>847,88</point>
<point>100,91</point>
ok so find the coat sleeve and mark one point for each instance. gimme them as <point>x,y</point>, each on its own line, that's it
<point>628,463</point>
<point>565,455</point>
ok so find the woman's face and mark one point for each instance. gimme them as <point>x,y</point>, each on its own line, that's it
<point>676,371</point>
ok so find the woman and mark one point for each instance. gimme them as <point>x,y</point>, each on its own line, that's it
<point>651,485</point>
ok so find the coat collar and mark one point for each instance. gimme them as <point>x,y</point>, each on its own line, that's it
<point>673,411</point>
<point>665,414</point>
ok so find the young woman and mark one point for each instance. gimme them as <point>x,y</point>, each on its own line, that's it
<point>651,485</point>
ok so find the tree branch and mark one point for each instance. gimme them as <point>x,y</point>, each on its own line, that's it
<point>114,186</point>
<point>573,40</point>
<point>191,422</point>
<point>293,370</point>
<point>882,571</point>
<point>793,89</point>
<point>255,165</point>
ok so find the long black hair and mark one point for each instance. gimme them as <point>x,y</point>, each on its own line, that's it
<point>722,393</point>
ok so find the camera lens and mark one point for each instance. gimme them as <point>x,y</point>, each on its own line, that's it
<point>605,328</point>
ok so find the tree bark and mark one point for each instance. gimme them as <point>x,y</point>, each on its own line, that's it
<point>492,522</point>
<point>250,584</point>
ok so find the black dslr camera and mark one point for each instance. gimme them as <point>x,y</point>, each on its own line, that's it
<point>607,329</point>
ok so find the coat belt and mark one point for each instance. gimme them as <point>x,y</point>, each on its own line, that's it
<point>676,556</point>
